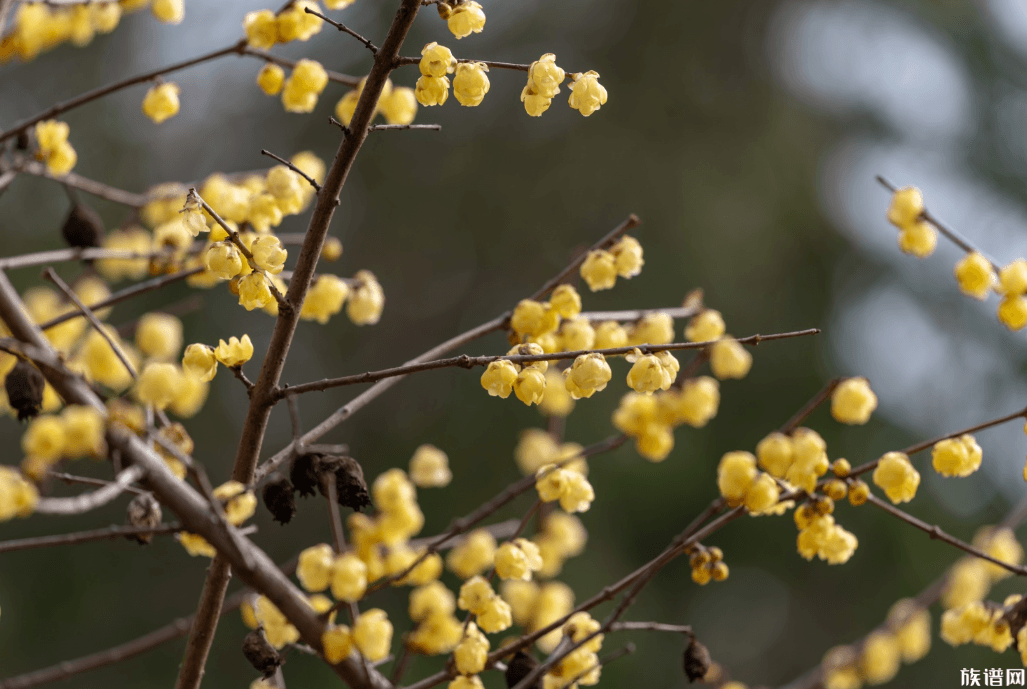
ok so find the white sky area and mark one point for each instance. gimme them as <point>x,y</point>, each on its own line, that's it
<point>937,360</point>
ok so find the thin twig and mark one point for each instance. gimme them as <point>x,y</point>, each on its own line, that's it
<point>238,373</point>
<point>390,127</point>
<point>53,277</point>
<point>291,64</point>
<point>124,295</point>
<point>117,86</point>
<point>286,163</point>
<point>518,67</point>
<point>111,533</point>
<point>90,186</point>
<point>466,361</point>
<point>651,627</point>
<point>811,406</point>
<point>85,480</point>
<point>935,532</point>
<point>342,27</point>
<point>91,501</point>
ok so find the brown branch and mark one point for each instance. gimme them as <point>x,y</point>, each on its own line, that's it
<point>630,223</point>
<point>90,501</point>
<point>403,61</point>
<point>117,86</point>
<point>53,277</point>
<point>651,627</point>
<point>466,361</point>
<point>238,373</point>
<point>75,254</point>
<point>70,478</point>
<point>391,127</point>
<point>935,532</point>
<point>90,186</point>
<point>262,398</point>
<point>111,533</point>
<point>342,27</point>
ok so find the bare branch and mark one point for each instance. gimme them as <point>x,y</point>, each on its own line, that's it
<point>811,406</point>
<point>90,501</point>
<point>390,127</point>
<point>286,163</point>
<point>342,27</point>
<point>284,62</point>
<point>111,533</point>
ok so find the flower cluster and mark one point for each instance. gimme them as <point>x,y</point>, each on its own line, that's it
<point>819,535</point>
<point>601,268</point>
<point>741,483</point>
<point>917,236</point>
<point>518,559</point>
<point>471,652</point>
<point>77,432</point>
<point>52,146</point>
<point>568,486</point>
<point>544,79</point>
<point>708,565</point>
<point>650,419</point>
<point>1012,284</point>
<point>800,458</point>
<point>397,104</point>
<point>438,630</point>
<point>39,26</point>
<point>905,638</point>
<point>319,568</point>
<point>535,606</point>
<point>264,29</point>
<point>581,665</point>
<point>971,578</point>
<point>492,613</point>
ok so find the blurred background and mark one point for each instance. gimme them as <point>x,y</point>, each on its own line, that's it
<point>746,135</point>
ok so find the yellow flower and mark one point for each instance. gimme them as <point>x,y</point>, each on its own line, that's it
<point>530,386</point>
<point>83,430</point>
<point>956,456</point>
<point>254,291</point>
<point>367,299</point>
<point>896,477</point>
<point>399,106</point>
<point>346,106</point>
<point>556,400</point>
<point>735,474</point>
<point>269,254</point>
<point>853,401</point>
<point>295,23</point>
<point>161,102</point>
<point>587,94</point>
<point>475,593</point>
<point>261,29</point>
<point>532,319</point>
<point>466,18</point>
<point>169,11</point>
<point>44,438</point>
<point>235,352</point>
<point>707,326</point>
<point>470,84</point>
<point>610,335</point>
<point>881,658</point>
<point>134,239</point>
<point>496,616</point>
<point>912,628</point>
<point>159,335</point>
<point>1012,278</point>
<point>431,90</point>
<point>429,467</point>
<point>918,239</point>
<point>729,359</point>
<point>975,275</point>
<point>324,299</point>
<point>652,328</point>
<point>348,577</point>
<point>436,60</point>
<point>53,146</point>
<point>698,401</point>
<point>470,654</point>
<point>517,559</point>
<point>499,378</point>
<point>1012,311</point>
<point>199,361</point>
<point>534,104</point>
<point>276,626</point>
<point>587,375</point>
<point>774,454</point>
<point>337,643</point>
<point>473,555</point>
<point>599,270</point>
<point>305,84</point>
<point>907,205</point>
<point>159,384</point>
<point>546,76</point>
<point>648,374</point>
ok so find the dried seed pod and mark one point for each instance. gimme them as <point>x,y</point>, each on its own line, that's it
<point>262,655</point>
<point>24,385</point>
<point>303,475</point>
<point>519,667</point>
<point>83,227</point>
<point>696,660</point>
<point>280,500</point>
<point>349,480</point>
<point>144,510</point>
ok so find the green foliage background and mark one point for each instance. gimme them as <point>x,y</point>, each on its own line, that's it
<point>698,138</point>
